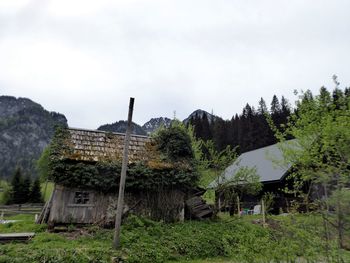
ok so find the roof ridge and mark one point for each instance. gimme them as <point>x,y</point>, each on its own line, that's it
<point>99,131</point>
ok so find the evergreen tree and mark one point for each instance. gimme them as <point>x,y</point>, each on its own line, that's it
<point>236,135</point>
<point>325,96</point>
<point>285,108</point>
<point>347,92</point>
<point>275,106</point>
<point>195,121</point>
<point>262,109</point>
<point>17,187</point>
<point>206,133</point>
<point>26,189</point>
<point>247,111</point>
<point>279,112</point>
<point>248,131</point>
<point>35,192</point>
<point>338,98</point>
<point>219,132</point>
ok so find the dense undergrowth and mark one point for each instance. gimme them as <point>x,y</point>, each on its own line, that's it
<point>288,240</point>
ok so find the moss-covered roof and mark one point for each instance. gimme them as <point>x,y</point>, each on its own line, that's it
<point>93,145</point>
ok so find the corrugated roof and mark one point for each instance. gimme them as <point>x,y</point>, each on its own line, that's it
<point>265,160</point>
<point>94,145</point>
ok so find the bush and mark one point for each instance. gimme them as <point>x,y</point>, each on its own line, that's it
<point>174,142</point>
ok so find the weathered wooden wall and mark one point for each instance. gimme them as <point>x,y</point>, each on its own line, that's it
<point>160,205</point>
<point>63,209</point>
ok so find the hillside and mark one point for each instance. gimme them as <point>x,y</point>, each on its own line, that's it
<point>120,126</point>
<point>200,114</point>
<point>154,124</point>
<point>26,128</point>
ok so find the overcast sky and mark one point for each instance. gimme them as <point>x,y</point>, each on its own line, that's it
<point>85,58</point>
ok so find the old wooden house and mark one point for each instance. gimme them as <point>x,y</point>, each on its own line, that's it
<point>85,166</point>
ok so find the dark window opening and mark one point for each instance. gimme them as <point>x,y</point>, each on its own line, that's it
<point>81,198</point>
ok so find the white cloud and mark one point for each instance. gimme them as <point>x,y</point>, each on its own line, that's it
<point>86,58</point>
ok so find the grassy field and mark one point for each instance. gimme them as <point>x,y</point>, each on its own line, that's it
<point>295,238</point>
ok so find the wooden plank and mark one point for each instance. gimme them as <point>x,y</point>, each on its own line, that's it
<point>22,237</point>
<point>10,235</point>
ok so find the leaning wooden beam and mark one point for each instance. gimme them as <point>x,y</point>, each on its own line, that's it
<point>44,215</point>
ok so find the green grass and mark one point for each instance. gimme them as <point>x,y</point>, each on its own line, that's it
<point>208,260</point>
<point>222,240</point>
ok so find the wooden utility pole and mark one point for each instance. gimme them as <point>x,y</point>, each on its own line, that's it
<point>118,217</point>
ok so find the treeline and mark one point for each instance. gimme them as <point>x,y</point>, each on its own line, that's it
<point>249,130</point>
<point>22,190</point>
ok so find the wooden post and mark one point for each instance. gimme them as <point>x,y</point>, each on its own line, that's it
<point>263,212</point>
<point>118,217</point>
<point>238,207</point>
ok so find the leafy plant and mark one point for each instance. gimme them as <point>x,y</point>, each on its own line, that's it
<point>320,153</point>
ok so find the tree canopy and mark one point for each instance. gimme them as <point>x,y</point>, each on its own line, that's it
<point>321,152</point>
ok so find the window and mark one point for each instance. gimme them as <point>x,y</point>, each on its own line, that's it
<point>81,198</point>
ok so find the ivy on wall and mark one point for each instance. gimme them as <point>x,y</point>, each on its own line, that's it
<point>173,169</point>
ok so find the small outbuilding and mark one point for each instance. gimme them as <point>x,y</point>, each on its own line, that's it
<point>85,167</point>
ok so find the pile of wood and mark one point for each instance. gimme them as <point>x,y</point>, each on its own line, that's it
<point>198,208</point>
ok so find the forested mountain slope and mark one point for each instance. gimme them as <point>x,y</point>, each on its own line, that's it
<point>26,128</point>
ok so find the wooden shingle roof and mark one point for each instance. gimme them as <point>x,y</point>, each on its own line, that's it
<point>94,145</point>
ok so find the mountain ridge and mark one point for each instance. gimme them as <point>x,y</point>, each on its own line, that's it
<point>26,128</point>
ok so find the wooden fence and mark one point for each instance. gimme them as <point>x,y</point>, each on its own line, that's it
<point>11,210</point>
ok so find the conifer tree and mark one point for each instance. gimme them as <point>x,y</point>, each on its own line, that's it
<point>275,106</point>
<point>206,134</point>
<point>325,96</point>
<point>26,189</point>
<point>262,109</point>
<point>285,108</point>
<point>347,92</point>
<point>17,187</point>
<point>35,192</point>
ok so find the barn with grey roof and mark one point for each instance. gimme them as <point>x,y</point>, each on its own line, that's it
<point>269,165</point>
<point>268,162</point>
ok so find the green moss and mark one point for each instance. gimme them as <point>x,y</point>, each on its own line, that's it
<point>176,172</point>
